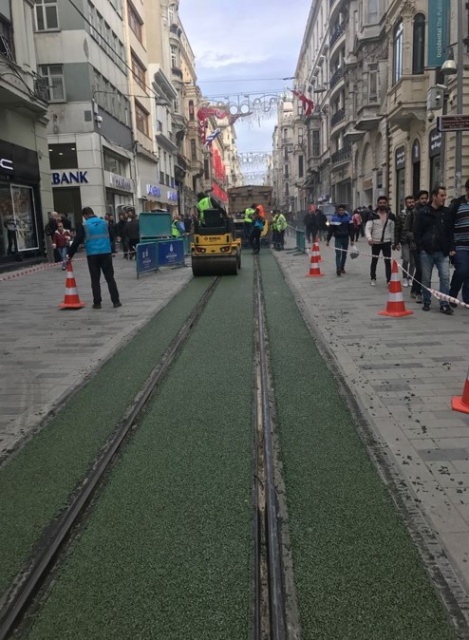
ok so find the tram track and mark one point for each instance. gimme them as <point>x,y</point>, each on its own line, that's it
<point>30,580</point>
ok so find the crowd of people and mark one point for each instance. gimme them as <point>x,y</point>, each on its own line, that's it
<point>427,234</point>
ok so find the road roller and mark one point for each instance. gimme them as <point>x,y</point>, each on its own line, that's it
<point>215,250</point>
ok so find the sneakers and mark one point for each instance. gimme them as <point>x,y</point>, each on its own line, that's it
<point>117,304</point>
<point>426,307</point>
<point>418,298</point>
<point>453,305</point>
<point>96,305</point>
<point>343,271</point>
<point>373,283</point>
<point>447,310</point>
<point>339,272</point>
<point>405,282</point>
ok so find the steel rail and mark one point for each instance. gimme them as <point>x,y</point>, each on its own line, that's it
<point>277,609</point>
<point>34,577</point>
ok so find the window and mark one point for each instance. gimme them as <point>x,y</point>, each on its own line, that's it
<point>92,19</point>
<point>418,53</point>
<point>114,163</point>
<point>6,39</point>
<point>55,81</point>
<point>138,71</point>
<point>193,150</point>
<point>171,14</point>
<point>398,51</point>
<point>142,119</point>
<point>134,21</point>
<point>173,56</point>
<point>63,156</point>
<point>372,16</point>
<point>191,110</point>
<point>47,17</point>
<point>300,166</point>
<point>373,84</point>
<point>315,144</point>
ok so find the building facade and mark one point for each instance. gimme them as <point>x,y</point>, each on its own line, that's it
<point>25,190</point>
<point>370,69</point>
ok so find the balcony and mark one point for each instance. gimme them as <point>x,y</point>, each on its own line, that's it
<point>176,71</point>
<point>23,90</point>
<point>341,156</point>
<point>407,101</point>
<point>337,76</point>
<point>337,117</point>
<point>368,116</point>
<point>335,34</point>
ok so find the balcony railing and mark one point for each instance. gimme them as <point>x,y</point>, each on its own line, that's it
<point>338,116</point>
<point>342,155</point>
<point>336,77</point>
<point>336,33</point>
<point>41,87</point>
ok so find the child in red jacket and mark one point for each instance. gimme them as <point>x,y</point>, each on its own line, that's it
<point>61,241</point>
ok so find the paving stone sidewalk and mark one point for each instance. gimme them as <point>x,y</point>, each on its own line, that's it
<point>46,352</point>
<point>403,372</point>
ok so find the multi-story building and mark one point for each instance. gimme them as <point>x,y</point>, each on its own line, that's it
<point>284,191</point>
<point>82,54</point>
<point>25,190</point>
<point>372,69</point>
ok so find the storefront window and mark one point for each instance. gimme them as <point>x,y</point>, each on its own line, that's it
<point>63,156</point>
<point>17,219</point>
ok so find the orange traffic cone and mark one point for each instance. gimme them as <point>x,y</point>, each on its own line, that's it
<point>316,242</point>
<point>314,270</point>
<point>71,298</point>
<point>461,403</point>
<point>395,306</point>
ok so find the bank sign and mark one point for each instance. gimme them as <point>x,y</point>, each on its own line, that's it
<point>438,16</point>
<point>66,178</point>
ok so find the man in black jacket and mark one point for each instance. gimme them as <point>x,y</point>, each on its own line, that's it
<point>459,212</point>
<point>433,237</point>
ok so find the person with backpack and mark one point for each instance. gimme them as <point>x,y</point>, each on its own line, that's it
<point>379,232</point>
<point>257,227</point>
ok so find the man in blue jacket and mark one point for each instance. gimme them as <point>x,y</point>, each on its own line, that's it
<point>341,227</point>
<point>94,232</point>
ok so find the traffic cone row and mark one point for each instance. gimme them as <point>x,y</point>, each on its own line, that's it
<point>71,298</point>
<point>395,306</point>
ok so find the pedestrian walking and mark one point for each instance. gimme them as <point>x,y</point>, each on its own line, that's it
<point>112,231</point>
<point>379,232</point>
<point>401,241</point>
<point>94,232</point>
<point>133,231</point>
<point>341,227</point>
<point>433,234</point>
<point>357,224</point>
<point>49,230</point>
<point>311,224</point>
<point>121,230</point>
<point>459,213</point>
<point>61,242</point>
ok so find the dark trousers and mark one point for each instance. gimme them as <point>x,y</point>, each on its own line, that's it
<point>247,231</point>
<point>256,239</point>
<point>341,247</point>
<point>461,275</point>
<point>376,249</point>
<point>281,238</point>
<point>133,242</point>
<point>96,264</point>
<point>416,286</point>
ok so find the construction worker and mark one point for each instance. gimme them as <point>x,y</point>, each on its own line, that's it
<point>177,227</point>
<point>274,226</point>
<point>248,217</point>
<point>282,225</point>
<point>206,202</point>
<point>94,232</point>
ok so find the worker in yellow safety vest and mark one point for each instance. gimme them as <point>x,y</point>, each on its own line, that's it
<point>249,214</point>
<point>281,224</point>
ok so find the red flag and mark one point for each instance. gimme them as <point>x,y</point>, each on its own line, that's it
<point>308,105</point>
<point>205,112</point>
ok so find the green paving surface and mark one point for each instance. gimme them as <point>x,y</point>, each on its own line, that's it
<point>166,552</point>
<point>357,573</point>
<point>35,485</point>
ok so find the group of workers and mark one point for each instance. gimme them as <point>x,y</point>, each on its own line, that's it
<point>254,223</point>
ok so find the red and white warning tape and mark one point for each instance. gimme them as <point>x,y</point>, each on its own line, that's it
<point>26,272</point>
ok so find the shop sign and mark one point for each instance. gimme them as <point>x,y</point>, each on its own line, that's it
<point>120,182</point>
<point>153,190</point>
<point>172,196</point>
<point>6,164</point>
<point>400,158</point>
<point>69,177</point>
<point>434,143</point>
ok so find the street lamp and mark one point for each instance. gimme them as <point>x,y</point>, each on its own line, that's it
<point>450,67</point>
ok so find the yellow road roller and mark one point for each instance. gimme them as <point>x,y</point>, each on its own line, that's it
<point>215,250</point>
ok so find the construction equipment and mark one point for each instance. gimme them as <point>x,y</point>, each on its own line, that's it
<point>215,250</point>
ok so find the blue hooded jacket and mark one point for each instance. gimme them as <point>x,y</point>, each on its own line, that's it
<point>340,226</point>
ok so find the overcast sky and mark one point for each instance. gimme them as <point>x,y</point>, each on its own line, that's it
<point>245,47</point>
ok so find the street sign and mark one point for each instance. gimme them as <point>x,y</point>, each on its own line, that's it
<point>453,123</point>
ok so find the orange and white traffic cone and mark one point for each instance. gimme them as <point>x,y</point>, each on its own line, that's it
<point>395,306</point>
<point>314,270</point>
<point>71,298</point>
<point>461,403</point>
<point>316,242</point>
